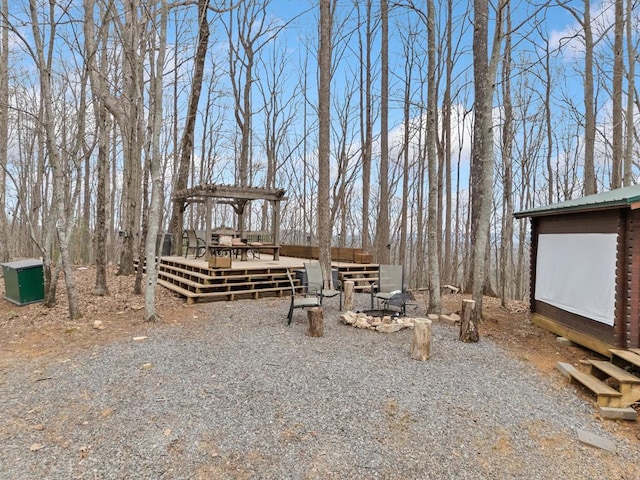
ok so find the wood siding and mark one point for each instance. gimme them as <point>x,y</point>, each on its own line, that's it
<point>632,292</point>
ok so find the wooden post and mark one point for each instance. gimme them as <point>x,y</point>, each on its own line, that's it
<point>316,326</point>
<point>421,343</point>
<point>468,325</point>
<point>348,295</point>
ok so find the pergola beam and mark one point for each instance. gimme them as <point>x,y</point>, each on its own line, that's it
<point>236,196</point>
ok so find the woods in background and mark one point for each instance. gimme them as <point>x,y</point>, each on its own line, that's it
<point>413,129</point>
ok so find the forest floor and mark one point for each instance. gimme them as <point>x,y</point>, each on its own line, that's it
<point>33,331</point>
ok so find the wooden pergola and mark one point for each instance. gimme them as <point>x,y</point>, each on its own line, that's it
<point>238,197</point>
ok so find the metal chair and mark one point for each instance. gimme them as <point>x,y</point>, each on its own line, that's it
<point>304,298</point>
<point>315,278</point>
<point>390,283</point>
<point>195,244</point>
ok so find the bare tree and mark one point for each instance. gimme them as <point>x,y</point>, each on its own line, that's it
<point>155,162</point>
<point>382,226</point>
<point>324,134</point>
<point>506,238</point>
<point>631,91</point>
<point>433,233</point>
<point>484,73</point>
<point>4,125</point>
<point>616,116</point>
<point>60,201</point>
<point>366,118</point>
<point>186,142</point>
<point>590,185</point>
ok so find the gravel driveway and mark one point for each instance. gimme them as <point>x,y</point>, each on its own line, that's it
<point>241,395</point>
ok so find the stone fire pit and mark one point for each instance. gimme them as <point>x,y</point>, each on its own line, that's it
<point>384,321</point>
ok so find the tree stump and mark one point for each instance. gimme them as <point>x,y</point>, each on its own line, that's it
<point>469,322</point>
<point>421,343</point>
<point>348,287</point>
<point>316,325</point>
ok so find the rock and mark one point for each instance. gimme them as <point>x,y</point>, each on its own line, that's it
<point>389,328</point>
<point>348,318</point>
<point>147,366</point>
<point>433,317</point>
<point>361,323</point>
<point>97,324</point>
<point>565,341</point>
<point>450,320</point>
<point>597,441</point>
<point>386,319</point>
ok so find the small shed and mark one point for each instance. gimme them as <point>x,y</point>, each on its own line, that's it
<point>585,269</point>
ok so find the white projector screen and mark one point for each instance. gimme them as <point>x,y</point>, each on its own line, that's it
<point>576,272</point>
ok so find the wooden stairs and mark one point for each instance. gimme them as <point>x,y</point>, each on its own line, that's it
<point>362,275</point>
<point>616,383</point>
<point>198,282</point>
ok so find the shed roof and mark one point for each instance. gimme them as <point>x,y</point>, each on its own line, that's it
<point>618,198</point>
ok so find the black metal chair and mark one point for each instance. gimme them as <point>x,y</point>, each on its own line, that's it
<point>390,285</point>
<point>305,297</point>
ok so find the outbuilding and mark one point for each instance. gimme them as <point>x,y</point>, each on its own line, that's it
<point>585,269</point>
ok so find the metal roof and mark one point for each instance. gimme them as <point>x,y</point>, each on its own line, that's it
<point>618,198</point>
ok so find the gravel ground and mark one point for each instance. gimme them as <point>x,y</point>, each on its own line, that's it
<point>241,395</point>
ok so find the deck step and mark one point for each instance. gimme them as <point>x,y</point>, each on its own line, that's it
<point>603,370</point>
<point>190,296</point>
<point>627,356</point>
<point>606,396</point>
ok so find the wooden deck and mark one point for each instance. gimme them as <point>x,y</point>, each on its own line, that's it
<point>252,278</point>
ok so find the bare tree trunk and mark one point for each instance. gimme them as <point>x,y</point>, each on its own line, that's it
<point>61,208</point>
<point>448,271</point>
<point>484,68</point>
<point>155,210</point>
<point>406,150</point>
<point>616,115</point>
<point>186,143</point>
<point>324,135</point>
<point>590,186</point>
<point>4,126</point>
<point>432,160</point>
<point>631,91</point>
<point>382,227</point>
<point>368,134</point>
<point>506,240</point>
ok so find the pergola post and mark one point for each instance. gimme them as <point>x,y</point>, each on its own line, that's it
<point>275,224</point>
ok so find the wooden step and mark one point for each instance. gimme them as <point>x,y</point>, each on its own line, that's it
<point>635,350</point>
<point>191,274</point>
<point>627,356</point>
<point>603,370</point>
<point>606,396</point>
<point>190,296</point>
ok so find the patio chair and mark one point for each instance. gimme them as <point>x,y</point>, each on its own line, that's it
<point>315,278</point>
<point>304,298</point>
<point>390,283</point>
<point>194,244</point>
